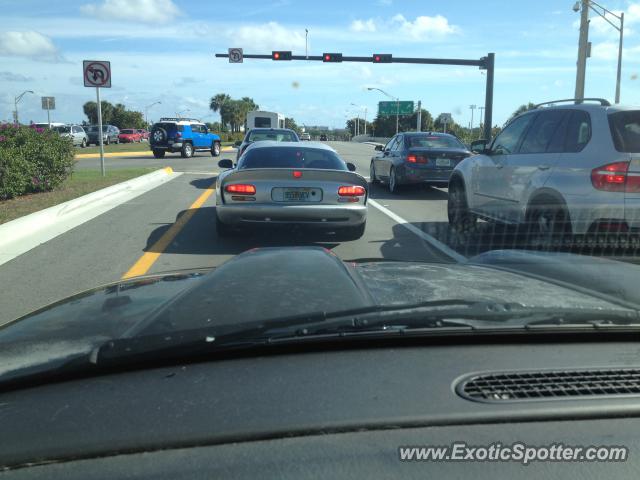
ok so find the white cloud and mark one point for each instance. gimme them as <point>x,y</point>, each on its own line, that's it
<point>26,44</point>
<point>14,77</point>
<point>268,36</point>
<point>149,11</point>
<point>424,27</point>
<point>363,26</point>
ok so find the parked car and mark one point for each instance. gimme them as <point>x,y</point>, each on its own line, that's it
<point>285,183</point>
<point>305,136</point>
<point>260,134</point>
<point>415,157</point>
<point>323,138</point>
<point>75,132</point>
<point>143,133</point>
<point>558,170</point>
<point>109,134</point>
<point>184,135</point>
<point>129,135</point>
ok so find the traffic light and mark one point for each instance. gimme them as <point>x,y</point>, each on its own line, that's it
<point>381,58</point>
<point>281,55</point>
<point>331,57</point>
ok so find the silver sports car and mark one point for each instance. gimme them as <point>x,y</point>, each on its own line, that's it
<point>289,183</point>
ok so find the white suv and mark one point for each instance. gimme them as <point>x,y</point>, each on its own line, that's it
<point>559,170</point>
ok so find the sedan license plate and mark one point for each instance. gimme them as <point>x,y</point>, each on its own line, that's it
<point>296,194</point>
<point>443,162</point>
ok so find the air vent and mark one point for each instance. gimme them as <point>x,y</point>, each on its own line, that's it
<point>549,385</point>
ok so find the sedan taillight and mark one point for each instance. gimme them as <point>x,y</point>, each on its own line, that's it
<point>615,177</point>
<point>411,158</point>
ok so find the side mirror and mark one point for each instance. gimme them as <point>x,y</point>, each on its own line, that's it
<point>479,146</point>
<point>379,148</point>
<point>225,163</point>
<point>238,143</point>
<point>351,167</point>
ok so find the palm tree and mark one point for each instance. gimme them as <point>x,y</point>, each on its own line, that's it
<point>217,103</point>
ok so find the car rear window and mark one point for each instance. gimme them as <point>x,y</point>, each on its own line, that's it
<point>432,141</point>
<point>282,157</point>
<point>276,136</point>
<point>625,130</point>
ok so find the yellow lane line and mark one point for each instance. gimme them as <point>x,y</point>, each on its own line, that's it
<point>141,153</point>
<point>146,261</point>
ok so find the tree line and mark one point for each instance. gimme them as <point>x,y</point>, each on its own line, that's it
<point>233,113</point>
<point>116,115</point>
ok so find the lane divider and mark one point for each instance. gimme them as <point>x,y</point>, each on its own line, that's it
<point>146,261</point>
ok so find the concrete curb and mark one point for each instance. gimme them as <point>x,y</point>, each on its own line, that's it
<point>22,234</point>
<point>139,153</point>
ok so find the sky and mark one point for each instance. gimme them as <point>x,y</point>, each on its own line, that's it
<point>164,51</point>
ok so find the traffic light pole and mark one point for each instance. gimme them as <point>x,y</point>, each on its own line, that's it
<point>485,63</point>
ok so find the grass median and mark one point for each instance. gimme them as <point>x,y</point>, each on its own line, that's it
<point>80,183</point>
<point>125,147</point>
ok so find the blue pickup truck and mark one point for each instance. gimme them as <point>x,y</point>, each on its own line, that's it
<point>184,135</point>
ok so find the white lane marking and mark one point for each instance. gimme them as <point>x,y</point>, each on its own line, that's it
<point>416,231</point>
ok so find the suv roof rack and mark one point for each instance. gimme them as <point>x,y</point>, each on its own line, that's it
<point>602,101</point>
<point>179,119</point>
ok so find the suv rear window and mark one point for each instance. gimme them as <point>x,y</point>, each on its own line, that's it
<point>170,127</point>
<point>283,157</point>
<point>625,130</point>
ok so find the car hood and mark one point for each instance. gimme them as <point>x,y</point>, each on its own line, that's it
<point>280,282</point>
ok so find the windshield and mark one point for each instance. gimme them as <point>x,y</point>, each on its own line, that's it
<point>287,157</point>
<point>436,134</point>
<point>276,135</point>
<point>430,141</point>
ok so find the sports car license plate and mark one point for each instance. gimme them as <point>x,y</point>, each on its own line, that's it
<point>296,194</point>
<point>443,162</point>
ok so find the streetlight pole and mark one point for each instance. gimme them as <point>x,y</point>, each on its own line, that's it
<point>15,103</point>
<point>306,42</point>
<point>583,44</point>
<point>472,107</point>
<point>146,111</point>
<point>481,108</point>
<point>393,98</point>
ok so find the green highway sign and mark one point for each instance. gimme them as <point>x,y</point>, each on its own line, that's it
<point>395,108</point>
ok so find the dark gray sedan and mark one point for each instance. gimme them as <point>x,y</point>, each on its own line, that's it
<point>417,157</point>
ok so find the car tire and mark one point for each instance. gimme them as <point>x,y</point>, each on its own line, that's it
<point>373,179</point>
<point>158,153</point>
<point>222,229</point>
<point>393,181</point>
<point>187,150</point>
<point>460,217</point>
<point>215,149</point>
<point>84,143</point>
<point>353,233</point>
<point>547,223</point>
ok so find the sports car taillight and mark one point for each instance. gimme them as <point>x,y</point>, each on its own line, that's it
<point>615,177</point>
<point>240,189</point>
<point>351,191</point>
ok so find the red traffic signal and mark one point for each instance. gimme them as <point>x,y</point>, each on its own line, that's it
<point>381,58</point>
<point>331,57</point>
<point>281,55</point>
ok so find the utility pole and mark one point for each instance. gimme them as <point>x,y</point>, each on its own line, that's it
<point>583,47</point>
<point>480,129</point>
<point>472,107</point>
<point>419,122</point>
<point>306,43</point>
<point>365,121</point>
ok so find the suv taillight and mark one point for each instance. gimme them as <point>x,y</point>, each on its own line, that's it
<point>615,177</point>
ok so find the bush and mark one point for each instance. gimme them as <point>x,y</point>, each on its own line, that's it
<point>231,137</point>
<point>32,160</point>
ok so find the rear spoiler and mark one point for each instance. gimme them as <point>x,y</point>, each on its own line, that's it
<point>308,174</point>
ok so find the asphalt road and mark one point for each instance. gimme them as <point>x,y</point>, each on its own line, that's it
<point>173,227</point>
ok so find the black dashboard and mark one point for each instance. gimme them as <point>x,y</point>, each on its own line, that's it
<point>338,413</point>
